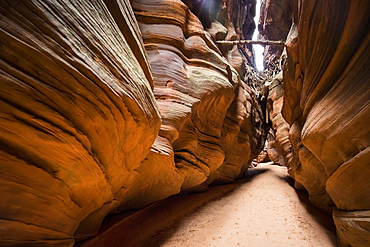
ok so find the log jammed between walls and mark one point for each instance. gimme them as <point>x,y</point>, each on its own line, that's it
<point>252,42</point>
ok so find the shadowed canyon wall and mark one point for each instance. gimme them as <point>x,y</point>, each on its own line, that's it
<point>274,24</point>
<point>323,102</point>
<point>100,113</point>
<point>229,20</point>
<point>280,148</point>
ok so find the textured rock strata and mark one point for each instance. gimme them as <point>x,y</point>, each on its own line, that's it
<point>274,24</point>
<point>77,116</point>
<point>326,102</point>
<point>208,114</point>
<point>229,20</point>
<point>81,134</point>
<point>280,149</point>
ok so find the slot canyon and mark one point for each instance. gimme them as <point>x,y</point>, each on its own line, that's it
<point>136,122</point>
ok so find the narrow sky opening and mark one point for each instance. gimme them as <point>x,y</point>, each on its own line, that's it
<point>258,49</point>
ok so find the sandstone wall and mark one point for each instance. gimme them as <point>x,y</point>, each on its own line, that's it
<point>274,24</point>
<point>92,122</point>
<point>229,20</point>
<point>208,114</point>
<point>280,148</point>
<point>78,116</point>
<point>326,102</point>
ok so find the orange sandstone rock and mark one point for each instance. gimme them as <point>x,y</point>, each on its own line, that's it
<point>204,106</point>
<point>77,117</point>
<point>82,134</point>
<point>326,100</point>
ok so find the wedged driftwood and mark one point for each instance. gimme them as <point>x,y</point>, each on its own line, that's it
<point>252,42</point>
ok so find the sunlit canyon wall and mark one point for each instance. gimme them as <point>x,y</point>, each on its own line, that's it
<point>107,106</point>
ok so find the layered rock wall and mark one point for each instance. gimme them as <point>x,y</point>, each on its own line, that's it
<point>327,104</point>
<point>208,113</point>
<point>78,116</point>
<point>280,148</point>
<point>93,122</point>
<point>229,20</point>
<point>274,24</point>
<point>320,109</point>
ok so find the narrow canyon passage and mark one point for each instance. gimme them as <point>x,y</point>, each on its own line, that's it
<point>112,110</point>
<point>262,209</point>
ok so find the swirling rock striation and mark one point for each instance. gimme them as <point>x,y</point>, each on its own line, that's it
<point>280,148</point>
<point>77,116</point>
<point>229,20</point>
<point>92,122</point>
<point>327,104</point>
<point>208,114</point>
<point>274,24</point>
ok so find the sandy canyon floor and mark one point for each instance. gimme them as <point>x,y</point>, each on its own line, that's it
<point>262,209</point>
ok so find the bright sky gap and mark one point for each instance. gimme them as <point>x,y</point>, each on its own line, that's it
<point>258,49</point>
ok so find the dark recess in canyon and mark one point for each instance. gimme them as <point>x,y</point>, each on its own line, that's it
<point>108,106</point>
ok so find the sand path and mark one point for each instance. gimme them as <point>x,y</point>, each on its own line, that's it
<point>261,209</point>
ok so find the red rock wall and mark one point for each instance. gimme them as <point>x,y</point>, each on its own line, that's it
<point>229,20</point>
<point>83,134</point>
<point>274,24</point>
<point>205,107</point>
<point>280,148</point>
<point>326,102</point>
<point>77,116</point>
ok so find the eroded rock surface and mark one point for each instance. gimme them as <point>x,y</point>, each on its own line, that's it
<point>274,24</point>
<point>78,116</point>
<point>82,134</point>
<point>229,20</point>
<point>326,102</point>
<point>208,114</point>
<point>280,148</point>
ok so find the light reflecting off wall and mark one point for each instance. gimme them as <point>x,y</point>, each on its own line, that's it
<point>258,52</point>
<point>258,49</point>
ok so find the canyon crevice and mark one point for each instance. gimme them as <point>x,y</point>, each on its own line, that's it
<point>110,105</point>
